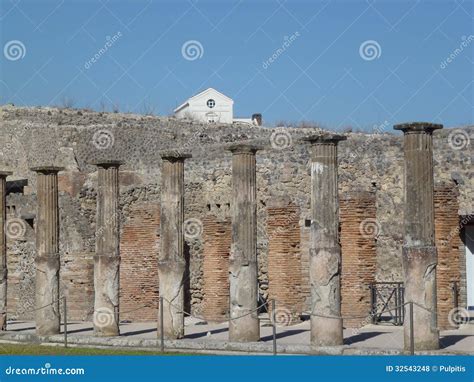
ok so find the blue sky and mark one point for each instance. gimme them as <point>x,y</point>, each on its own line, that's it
<point>322,73</point>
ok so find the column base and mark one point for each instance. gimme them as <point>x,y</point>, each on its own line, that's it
<point>246,331</point>
<point>419,264</point>
<point>48,329</point>
<point>326,331</point>
<point>112,331</point>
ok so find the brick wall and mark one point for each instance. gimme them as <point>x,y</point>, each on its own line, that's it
<point>217,240</point>
<point>449,245</point>
<point>359,229</point>
<point>284,261</point>
<point>139,245</point>
<point>305,234</point>
<point>77,284</point>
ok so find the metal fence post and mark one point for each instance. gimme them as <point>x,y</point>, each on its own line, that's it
<point>412,331</point>
<point>402,303</point>
<point>373,303</point>
<point>455,294</point>
<point>65,321</point>
<point>274,327</point>
<point>162,335</point>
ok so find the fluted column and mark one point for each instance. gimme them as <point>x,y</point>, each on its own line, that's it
<point>419,253</point>
<point>3,251</point>
<point>107,258</point>
<point>325,249</point>
<point>243,253</point>
<point>171,261</point>
<point>47,251</point>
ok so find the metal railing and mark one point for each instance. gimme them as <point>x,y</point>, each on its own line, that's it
<point>390,296</point>
<point>272,303</point>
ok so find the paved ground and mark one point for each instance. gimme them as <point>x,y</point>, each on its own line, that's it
<point>371,336</point>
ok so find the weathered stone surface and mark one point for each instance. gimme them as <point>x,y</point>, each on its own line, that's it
<point>419,264</point>
<point>171,260</point>
<point>139,262</point>
<point>217,242</point>
<point>359,232</point>
<point>244,323</point>
<point>284,262</point>
<point>3,251</point>
<point>107,259</point>
<point>325,251</point>
<point>451,265</point>
<point>419,252</point>
<point>47,315</point>
<point>366,157</point>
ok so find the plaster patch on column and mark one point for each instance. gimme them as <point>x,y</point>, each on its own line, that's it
<point>318,168</point>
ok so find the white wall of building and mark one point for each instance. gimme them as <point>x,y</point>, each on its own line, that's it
<point>207,106</point>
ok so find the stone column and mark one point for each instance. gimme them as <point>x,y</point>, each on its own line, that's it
<point>171,261</point>
<point>107,258</point>
<point>419,251</point>
<point>3,250</point>
<point>325,249</point>
<point>47,251</point>
<point>243,253</point>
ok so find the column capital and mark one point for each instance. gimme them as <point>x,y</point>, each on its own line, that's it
<point>417,127</point>
<point>46,169</point>
<point>174,155</point>
<point>244,148</point>
<point>108,163</point>
<point>324,139</point>
<point>4,174</point>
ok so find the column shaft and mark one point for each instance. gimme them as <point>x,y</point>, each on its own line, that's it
<point>107,259</point>
<point>243,255</point>
<point>419,255</point>
<point>3,251</point>
<point>325,252</point>
<point>171,260</point>
<point>47,252</point>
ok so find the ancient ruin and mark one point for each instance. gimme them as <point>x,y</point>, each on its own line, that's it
<point>47,261</point>
<point>419,251</point>
<point>171,260</point>
<point>3,251</point>
<point>234,231</point>
<point>325,252</point>
<point>107,258</point>
<point>244,323</point>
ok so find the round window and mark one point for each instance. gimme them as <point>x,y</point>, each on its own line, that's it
<point>211,103</point>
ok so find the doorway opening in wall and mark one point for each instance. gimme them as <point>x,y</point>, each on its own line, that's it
<point>469,254</point>
<point>212,117</point>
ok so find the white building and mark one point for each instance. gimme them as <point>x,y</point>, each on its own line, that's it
<point>211,106</point>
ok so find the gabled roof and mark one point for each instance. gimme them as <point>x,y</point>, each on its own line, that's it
<point>201,93</point>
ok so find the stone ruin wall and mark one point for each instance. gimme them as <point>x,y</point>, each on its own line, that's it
<point>29,136</point>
